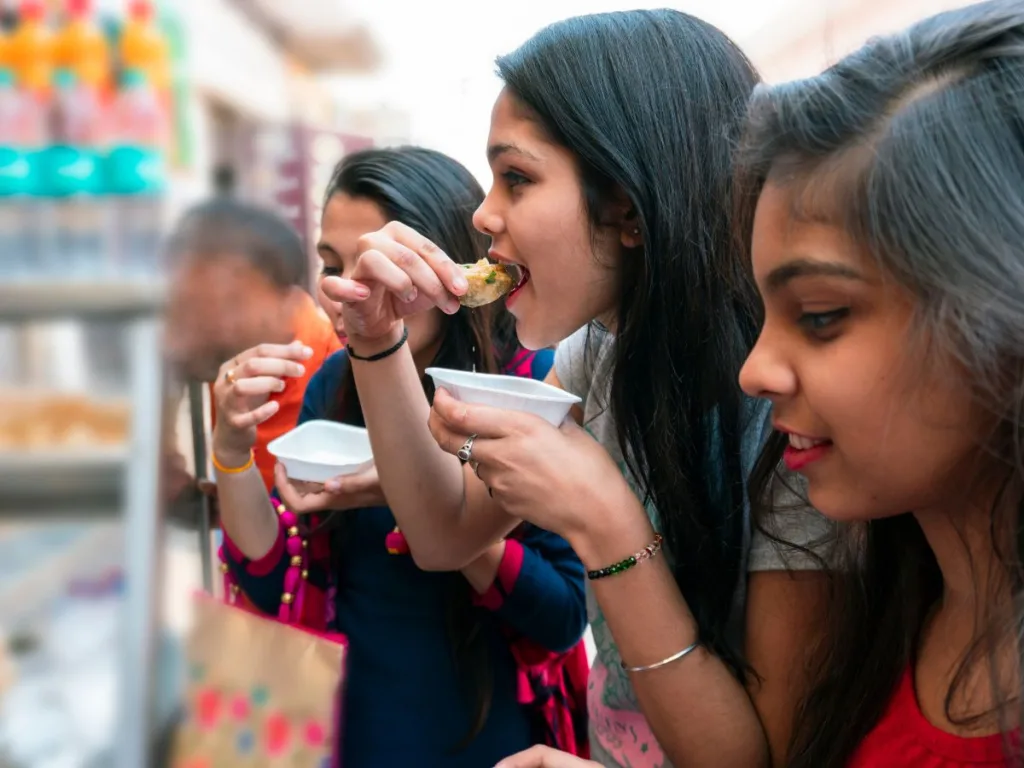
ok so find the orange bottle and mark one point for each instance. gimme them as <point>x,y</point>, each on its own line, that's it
<point>80,47</point>
<point>144,48</point>
<point>30,48</point>
<point>5,46</point>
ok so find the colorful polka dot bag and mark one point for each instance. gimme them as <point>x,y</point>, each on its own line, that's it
<point>260,693</point>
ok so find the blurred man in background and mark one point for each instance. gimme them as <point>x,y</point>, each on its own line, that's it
<point>239,278</point>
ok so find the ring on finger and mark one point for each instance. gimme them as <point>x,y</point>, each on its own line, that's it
<point>465,453</point>
<point>229,376</point>
<point>475,466</point>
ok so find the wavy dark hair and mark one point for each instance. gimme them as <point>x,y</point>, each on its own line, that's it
<point>914,145</point>
<point>651,104</point>
<point>436,196</point>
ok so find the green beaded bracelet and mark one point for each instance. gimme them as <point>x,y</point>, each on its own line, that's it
<point>633,560</point>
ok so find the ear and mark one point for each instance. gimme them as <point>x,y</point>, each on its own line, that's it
<point>626,220</point>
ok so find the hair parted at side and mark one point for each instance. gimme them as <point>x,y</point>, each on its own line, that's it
<point>436,195</point>
<point>915,146</point>
<point>651,104</point>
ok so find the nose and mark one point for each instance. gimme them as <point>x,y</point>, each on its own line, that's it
<point>487,218</point>
<point>766,372</point>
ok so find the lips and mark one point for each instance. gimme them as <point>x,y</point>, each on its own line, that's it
<point>524,278</point>
<point>803,450</point>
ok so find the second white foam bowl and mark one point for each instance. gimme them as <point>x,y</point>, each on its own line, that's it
<point>510,392</point>
<point>319,450</point>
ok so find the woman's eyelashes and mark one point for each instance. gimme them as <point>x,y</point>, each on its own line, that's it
<point>823,325</point>
<point>514,179</point>
<point>329,271</point>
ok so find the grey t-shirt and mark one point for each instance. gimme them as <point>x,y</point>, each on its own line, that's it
<point>619,734</point>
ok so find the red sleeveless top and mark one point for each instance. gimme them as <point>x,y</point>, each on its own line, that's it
<point>903,738</point>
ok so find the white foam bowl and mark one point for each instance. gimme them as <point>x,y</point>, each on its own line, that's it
<point>512,393</point>
<point>319,450</point>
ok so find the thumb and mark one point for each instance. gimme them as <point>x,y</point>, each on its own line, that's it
<point>353,483</point>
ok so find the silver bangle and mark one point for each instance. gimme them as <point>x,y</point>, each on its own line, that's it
<point>659,664</point>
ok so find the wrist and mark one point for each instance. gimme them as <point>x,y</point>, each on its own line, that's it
<point>231,456</point>
<point>614,533</point>
<point>368,346</point>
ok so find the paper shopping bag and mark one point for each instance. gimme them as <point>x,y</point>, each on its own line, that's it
<point>260,693</point>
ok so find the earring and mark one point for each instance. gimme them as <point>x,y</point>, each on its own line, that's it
<point>636,231</point>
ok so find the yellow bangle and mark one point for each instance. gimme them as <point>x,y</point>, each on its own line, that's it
<point>231,470</point>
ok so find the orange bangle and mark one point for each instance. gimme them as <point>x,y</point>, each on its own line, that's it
<point>231,470</point>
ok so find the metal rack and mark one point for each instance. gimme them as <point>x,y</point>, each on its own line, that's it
<point>101,483</point>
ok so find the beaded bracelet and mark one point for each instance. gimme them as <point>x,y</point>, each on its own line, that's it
<point>624,565</point>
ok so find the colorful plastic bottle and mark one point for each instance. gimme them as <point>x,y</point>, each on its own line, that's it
<point>137,175</point>
<point>5,47</point>
<point>22,137</point>
<point>143,46</point>
<point>82,224</point>
<point>81,47</point>
<point>30,49</point>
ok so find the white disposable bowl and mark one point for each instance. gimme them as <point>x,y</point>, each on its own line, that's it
<point>319,450</point>
<point>510,392</point>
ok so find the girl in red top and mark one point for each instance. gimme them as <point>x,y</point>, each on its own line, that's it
<point>888,246</point>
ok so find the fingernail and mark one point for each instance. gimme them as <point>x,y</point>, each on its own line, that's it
<point>299,370</point>
<point>410,296</point>
<point>460,282</point>
<point>307,351</point>
<point>332,486</point>
<point>362,291</point>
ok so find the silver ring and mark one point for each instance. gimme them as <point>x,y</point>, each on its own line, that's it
<point>465,453</point>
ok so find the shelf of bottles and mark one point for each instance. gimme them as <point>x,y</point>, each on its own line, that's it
<point>84,131</point>
<point>86,114</point>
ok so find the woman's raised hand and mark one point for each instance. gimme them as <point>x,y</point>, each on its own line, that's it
<point>398,273</point>
<point>242,395</point>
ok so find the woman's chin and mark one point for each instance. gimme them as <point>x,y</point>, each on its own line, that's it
<point>529,335</point>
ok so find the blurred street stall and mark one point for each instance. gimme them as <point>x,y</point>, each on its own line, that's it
<point>115,116</point>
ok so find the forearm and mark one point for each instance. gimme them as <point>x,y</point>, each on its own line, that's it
<point>425,487</point>
<point>537,590</point>
<point>246,513</point>
<point>699,712</point>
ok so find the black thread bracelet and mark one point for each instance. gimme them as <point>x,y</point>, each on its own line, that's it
<point>380,355</point>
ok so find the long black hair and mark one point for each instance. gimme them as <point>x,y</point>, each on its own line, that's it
<point>914,145</point>
<point>651,105</point>
<point>436,196</point>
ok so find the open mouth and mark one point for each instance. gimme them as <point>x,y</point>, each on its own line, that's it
<point>518,273</point>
